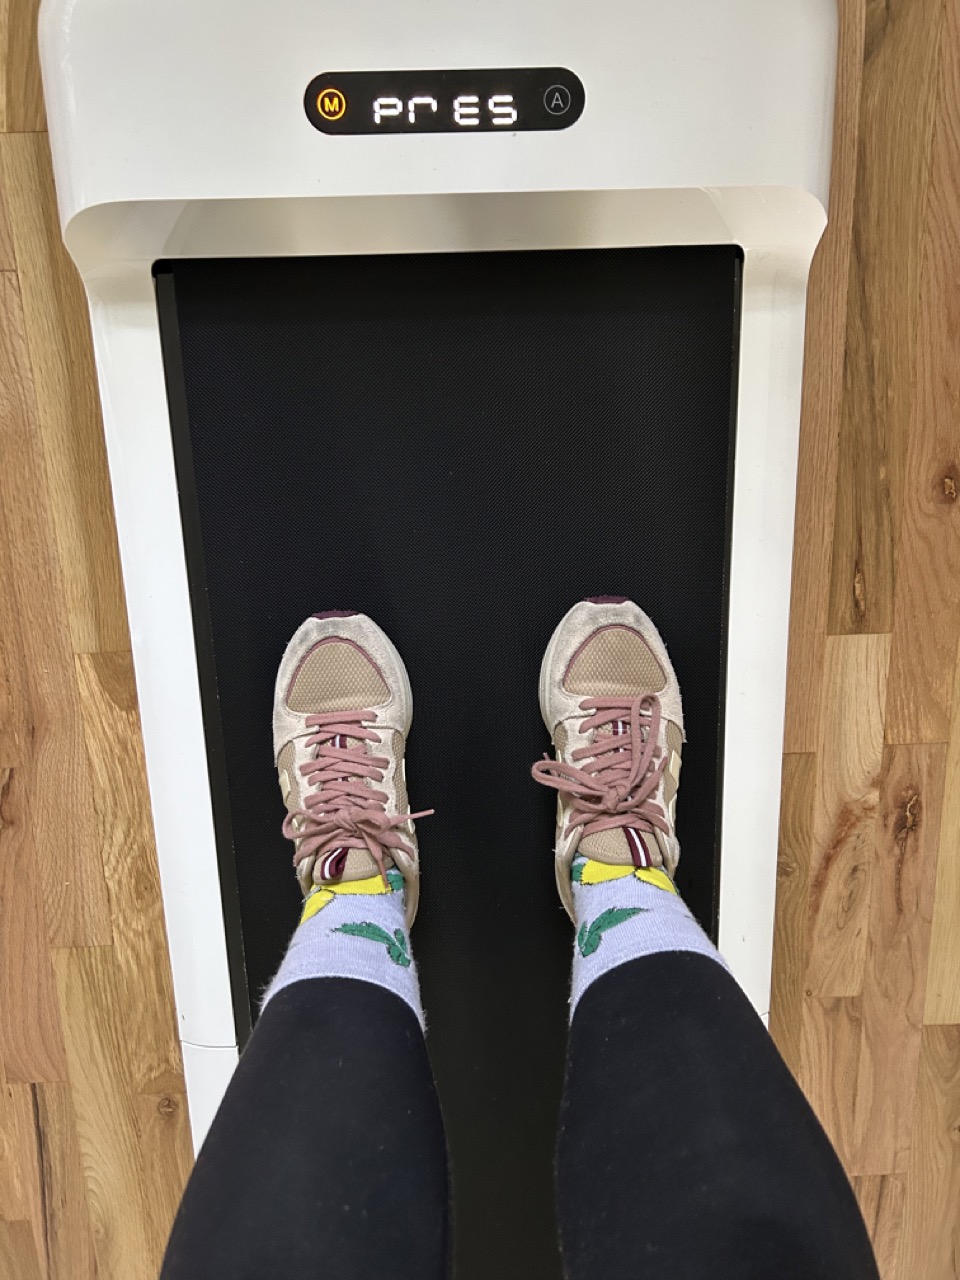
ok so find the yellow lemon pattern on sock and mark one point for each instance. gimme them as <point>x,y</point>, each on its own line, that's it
<point>324,894</point>
<point>587,871</point>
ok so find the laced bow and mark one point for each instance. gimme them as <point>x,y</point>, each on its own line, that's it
<point>342,811</point>
<point>615,788</point>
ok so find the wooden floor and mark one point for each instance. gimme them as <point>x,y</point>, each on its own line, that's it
<point>93,1128</point>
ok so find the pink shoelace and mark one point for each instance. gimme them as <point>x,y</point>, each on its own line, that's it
<point>616,786</point>
<point>342,812</point>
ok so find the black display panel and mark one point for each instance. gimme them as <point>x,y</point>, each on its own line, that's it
<point>465,102</point>
<point>462,446</point>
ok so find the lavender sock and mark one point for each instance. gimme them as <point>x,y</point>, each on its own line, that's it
<point>348,932</point>
<point>622,918</point>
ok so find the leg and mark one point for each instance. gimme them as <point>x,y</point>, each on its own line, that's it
<point>328,1157</point>
<point>686,1149</point>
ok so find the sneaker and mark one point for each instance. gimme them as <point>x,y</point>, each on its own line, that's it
<point>341,714</point>
<point>610,698</point>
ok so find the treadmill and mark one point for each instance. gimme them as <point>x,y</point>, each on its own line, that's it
<point>490,311</point>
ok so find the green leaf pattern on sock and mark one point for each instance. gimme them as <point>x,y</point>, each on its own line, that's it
<point>398,953</point>
<point>395,943</point>
<point>591,935</point>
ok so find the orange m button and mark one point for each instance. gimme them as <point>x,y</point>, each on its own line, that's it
<point>331,104</point>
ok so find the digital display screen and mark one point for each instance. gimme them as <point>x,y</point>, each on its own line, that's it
<point>476,101</point>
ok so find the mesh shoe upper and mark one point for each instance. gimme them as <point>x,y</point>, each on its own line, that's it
<point>342,710</point>
<point>611,701</point>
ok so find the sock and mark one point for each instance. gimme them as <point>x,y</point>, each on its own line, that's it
<point>354,929</point>
<point>624,912</point>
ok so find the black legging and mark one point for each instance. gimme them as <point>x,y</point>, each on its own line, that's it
<point>686,1150</point>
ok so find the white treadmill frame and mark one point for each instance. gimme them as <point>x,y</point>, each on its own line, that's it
<point>178,131</point>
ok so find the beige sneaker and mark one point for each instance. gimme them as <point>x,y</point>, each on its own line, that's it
<point>610,698</point>
<point>341,714</point>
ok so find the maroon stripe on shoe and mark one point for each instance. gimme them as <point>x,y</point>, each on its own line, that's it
<point>333,864</point>
<point>606,600</point>
<point>638,850</point>
<point>336,613</point>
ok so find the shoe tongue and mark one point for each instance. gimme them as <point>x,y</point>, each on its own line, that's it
<point>360,864</point>
<point>621,847</point>
<point>607,846</point>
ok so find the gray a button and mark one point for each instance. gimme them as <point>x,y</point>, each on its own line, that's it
<point>557,99</point>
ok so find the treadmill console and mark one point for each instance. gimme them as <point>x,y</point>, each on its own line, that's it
<point>475,101</point>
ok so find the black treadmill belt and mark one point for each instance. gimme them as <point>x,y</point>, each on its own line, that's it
<point>461,446</point>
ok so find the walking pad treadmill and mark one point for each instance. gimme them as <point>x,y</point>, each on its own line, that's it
<point>452,320</point>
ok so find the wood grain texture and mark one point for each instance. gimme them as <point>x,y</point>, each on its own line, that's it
<point>99,1045</point>
<point>793,885</point>
<point>903,877</point>
<point>125,836</point>
<point>8,261</point>
<point>21,95</point>
<point>943,973</point>
<point>34,1190</point>
<point>930,1242</point>
<point>831,1035</point>
<point>64,1215</point>
<point>847,796</point>
<point>164,1126</point>
<point>68,412</point>
<point>14,684</point>
<point>881,1200</point>
<point>11,1197</point>
<point>887,1088</point>
<point>927,616</point>
<point>17,1160</point>
<point>897,111</point>
<point>18,1252</point>
<point>18,1115</point>
<point>60,816</point>
<point>31,1049</point>
<point>823,399</point>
